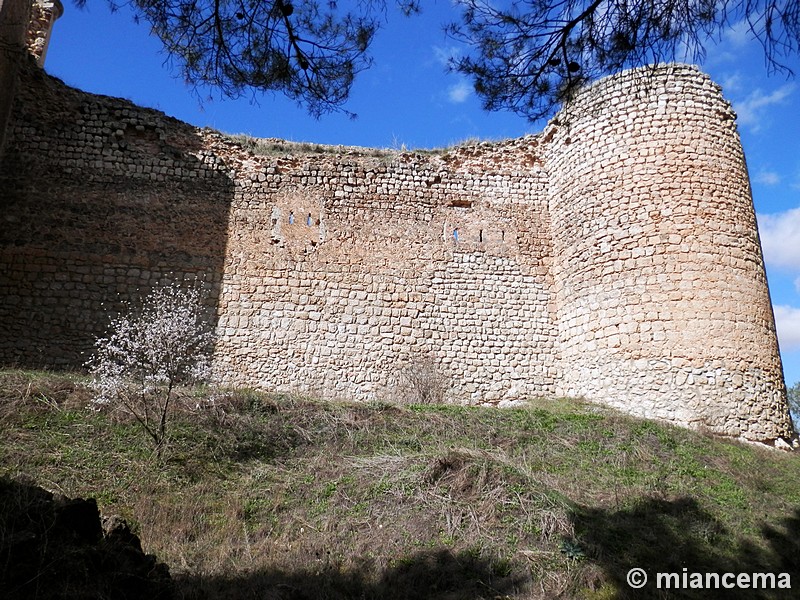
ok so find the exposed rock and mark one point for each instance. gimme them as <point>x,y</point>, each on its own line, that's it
<point>57,547</point>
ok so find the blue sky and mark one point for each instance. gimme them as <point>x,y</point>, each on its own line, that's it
<point>408,100</point>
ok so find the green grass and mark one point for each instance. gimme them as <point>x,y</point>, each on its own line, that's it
<point>309,499</point>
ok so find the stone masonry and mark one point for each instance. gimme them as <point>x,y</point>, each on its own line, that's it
<point>614,256</point>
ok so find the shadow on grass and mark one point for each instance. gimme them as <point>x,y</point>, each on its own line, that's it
<point>678,536</point>
<point>58,548</point>
<point>429,575</point>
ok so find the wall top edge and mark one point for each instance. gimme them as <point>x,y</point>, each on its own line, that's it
<point>510,156</point>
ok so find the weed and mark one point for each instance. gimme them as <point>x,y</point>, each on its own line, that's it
<point>340,500</point>
<point>424,381</point>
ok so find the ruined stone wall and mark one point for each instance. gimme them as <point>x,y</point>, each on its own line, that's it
<point>98,199</point>
<point>342,272</point>
<point>14,16</point>
<point>25,28</point>
<point>44,14</point>
<point>614,256</point>
<point>328,273</point>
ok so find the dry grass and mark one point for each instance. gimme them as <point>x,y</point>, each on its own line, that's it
<point>285,497</point>
<point>278,147</point>
<point>423,381</point>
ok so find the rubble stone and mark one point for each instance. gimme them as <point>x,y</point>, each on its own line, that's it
<point>615,256</point>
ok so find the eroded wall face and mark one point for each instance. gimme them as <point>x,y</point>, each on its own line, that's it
<point>44,14</point>
<point>664,309</point>
<point>100,201</point>
<point>343,272</point>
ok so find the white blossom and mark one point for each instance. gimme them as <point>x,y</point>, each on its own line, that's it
<point>149,351</point>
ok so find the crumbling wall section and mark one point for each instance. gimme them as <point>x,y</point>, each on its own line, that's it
<point>343,271</point>
<point>44,14</point>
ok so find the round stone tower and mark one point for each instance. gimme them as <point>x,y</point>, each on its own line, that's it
<point>44,14</point>
<point>25,27</point>
<point>662,300</point>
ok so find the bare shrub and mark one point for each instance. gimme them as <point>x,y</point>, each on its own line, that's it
<point>424,381</point>
<point>148,353</point>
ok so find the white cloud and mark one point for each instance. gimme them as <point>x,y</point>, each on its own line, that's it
<point>787,321</point>
<point>728,48</point>
<point>780,238</point>
<point>459,92</point>
<point>765,177</point>
<point>443,56</point>
<point>750,111</point>
<point>732,83</point>
<point>738,34</point>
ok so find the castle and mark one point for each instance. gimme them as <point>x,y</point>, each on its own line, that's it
<point>614,256</point>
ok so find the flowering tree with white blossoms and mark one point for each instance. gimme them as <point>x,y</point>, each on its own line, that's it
<point>148,353</point>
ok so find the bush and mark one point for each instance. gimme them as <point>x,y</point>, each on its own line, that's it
<point>148,353</point>
<point>423,381</point>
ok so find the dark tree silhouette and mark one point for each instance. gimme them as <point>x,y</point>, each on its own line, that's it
<point>530,55</point>
<point>306,50</point>
<point>527,56</point>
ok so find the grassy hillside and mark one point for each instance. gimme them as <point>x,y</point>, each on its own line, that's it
<point>286,497</point>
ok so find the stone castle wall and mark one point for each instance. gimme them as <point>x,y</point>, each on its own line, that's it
<point>14,17</point>
<point>341,271</point>
<point>99,199</point>
<point>613,256</point>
